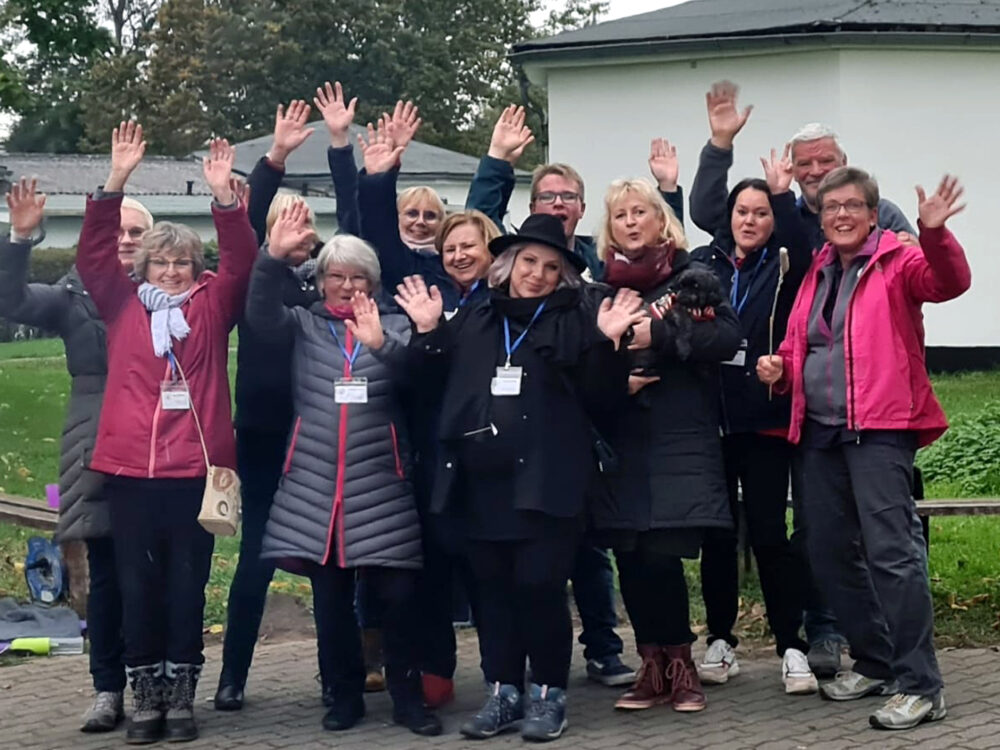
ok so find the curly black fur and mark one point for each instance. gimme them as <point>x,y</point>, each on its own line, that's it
<point>696,288</point>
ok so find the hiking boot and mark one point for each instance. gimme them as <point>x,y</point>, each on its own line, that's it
<point>904,711</point>
<point>649,688</point>
<point>371,642</point>
<point>229,694</point>
<point>849,686</point>
<point>503,710</point>
<point>105,713</point>
<point>408,707</point>
<point>719,663</point>
<point>610,671</point>
<point>795,673</point>
<point>686,692</point>
<point>824,657</point>
<point>180,682</point>
<point>145,725</point>
<point>438,691</point>
<point>545,718</point>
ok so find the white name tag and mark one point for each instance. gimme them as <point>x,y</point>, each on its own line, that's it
<point>350,391</point>
<point>507,382</point>
<point>740,359</point>
<point>174,396</point>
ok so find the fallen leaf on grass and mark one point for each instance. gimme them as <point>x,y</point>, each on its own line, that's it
<point>215,629</point>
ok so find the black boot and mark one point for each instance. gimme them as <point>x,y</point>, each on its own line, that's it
<point>145,725</point>
<point>346,706</point>
<point>229,694</point>
<point>180,682</point>
<point>408,707</point>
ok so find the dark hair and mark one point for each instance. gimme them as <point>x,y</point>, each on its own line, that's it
<point>750,183</point>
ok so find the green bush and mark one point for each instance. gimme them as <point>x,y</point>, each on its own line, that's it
<point>969,453</point>
<point>50,264</point>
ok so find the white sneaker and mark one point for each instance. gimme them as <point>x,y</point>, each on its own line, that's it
<point>904,711</point>
<point>795,673</point>
<point>718,664</point>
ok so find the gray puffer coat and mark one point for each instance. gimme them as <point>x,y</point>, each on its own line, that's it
<point>345,495</point>
<point>66,308</point>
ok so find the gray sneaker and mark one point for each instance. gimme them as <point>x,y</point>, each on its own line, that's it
<point>824,657</point>
<point>105,714</point>
<point>849,686</point>
<point>503,710</point>
<point>904,711</point>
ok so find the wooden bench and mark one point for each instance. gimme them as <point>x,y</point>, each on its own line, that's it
<point>24,512</point>
<point>985,506</point>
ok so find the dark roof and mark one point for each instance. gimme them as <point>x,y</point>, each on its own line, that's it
<point>78,174</point>
<point>718,20</point>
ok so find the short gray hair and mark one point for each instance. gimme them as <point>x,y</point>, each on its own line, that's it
<point>843,176</point>
<point>348,250</point>
<point>503,266</point>
<point>178,240</point>
<point>815,131</point>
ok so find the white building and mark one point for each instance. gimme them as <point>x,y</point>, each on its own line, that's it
<point>912,87</point>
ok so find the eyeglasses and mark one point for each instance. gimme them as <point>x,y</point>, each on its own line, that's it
<point>567,196</point>
<point>853,207</point>
<point>357,279</point>
<point>182,264</point>
<point>429,216</point>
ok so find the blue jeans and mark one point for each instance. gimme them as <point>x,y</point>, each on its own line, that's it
<point>259,457</point>
<point>594,591</point>
<point>104,617</point>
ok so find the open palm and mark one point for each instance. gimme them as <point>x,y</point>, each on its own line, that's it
<point>940,206</point>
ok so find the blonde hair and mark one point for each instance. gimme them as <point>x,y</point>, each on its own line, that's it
<point>420,194</point>
<point>478,219</point>
<point>619,189</point>
<point>562,170</point>
<point>351,251</point>
<point>177,240</point>
<point>503,267</point>
<point>137,206</point>
<point>282,201</point>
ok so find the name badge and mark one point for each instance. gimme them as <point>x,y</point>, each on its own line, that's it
<point>350,391</point>
<point>174,396</point>
<point>740,359</point>
<point>507,382</point>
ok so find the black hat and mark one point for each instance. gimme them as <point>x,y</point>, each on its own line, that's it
<point>545,230</point>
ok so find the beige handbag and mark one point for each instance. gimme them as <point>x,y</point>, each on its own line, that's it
<point>220,505</point>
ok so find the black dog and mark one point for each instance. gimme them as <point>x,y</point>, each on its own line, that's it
<point>692,297</point>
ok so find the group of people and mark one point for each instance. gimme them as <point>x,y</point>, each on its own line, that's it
<point>428,401</point>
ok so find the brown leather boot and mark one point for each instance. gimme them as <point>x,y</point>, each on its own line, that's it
<point>371,641</point>
<point>686,692</point>
<point>649,688</point>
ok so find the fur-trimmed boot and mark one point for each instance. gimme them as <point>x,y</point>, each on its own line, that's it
<point>145,725</point>
<point>180,683</point>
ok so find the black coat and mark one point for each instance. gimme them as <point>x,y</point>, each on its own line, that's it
<point>670,472</point>
<point>570,370</point>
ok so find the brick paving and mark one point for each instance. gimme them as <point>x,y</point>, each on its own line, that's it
<point>42,699</point>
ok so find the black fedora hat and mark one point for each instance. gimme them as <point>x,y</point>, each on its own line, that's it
<point>542,229</point>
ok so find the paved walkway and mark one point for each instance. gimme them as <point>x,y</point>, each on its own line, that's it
<point>41,701</point>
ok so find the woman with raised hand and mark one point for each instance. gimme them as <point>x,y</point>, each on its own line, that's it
<point>669,486</point>
<point>345,505</point>
<point>522,369</point>
<point>166,416</point>
<point>760,256</point>
<point>67,309</point>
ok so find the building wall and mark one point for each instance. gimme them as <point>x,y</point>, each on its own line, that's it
<point>906,115</point>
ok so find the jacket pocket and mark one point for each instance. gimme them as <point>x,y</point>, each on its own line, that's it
<point>395,451</point>
<point>291,445</point>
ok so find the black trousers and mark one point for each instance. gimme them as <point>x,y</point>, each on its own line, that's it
<point>163,558</point>
<point>104,617</point>
<point>760,464</point>
<point>338,636</point>
<point>656,597</point>
<point>868,555</point>
<point>523,609</point>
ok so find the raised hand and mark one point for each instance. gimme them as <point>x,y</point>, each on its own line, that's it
<point>241,189</point>
<point>423,305</point>
<point>935,210</point>
<point>366,326</point>
<point>218,168</point>
<point>616,317</point>
<point>723,117</point>
<point>378,152</point>
<point>338,113</point>
<point>403,124</point>
<point>26,207</point>
<point>770,368</point>
<point>290,130</point>
<point>778,172</point>
<point>510,135</point>
<point>663,164</point>
<point>290,231</point>
<point>127,149</point>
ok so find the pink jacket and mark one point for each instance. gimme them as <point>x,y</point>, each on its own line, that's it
<point>887,383</point>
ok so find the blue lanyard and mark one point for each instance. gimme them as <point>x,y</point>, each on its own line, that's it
<point>517,342</point>
<point>735,290</point>
<point>349,357</point>
<point>173,363</point>
<point>472,290</point>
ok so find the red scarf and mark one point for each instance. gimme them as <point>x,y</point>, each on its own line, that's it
<point>644,273</point>
<point>340,312</point>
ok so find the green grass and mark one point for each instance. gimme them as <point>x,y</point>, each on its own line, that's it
<point>964,560</point>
